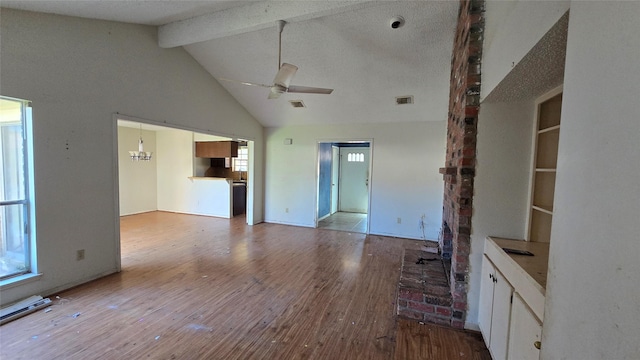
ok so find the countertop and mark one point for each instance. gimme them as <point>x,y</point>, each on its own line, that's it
<point>527,274</point>
<point>536,266</point>
<point>230,180</point>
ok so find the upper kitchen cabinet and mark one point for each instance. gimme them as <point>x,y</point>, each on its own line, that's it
<point>216,149</point>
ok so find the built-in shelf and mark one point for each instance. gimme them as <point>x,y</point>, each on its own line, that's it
<point>544,164</point>
<point>553,128</point>
<point>544,210</point>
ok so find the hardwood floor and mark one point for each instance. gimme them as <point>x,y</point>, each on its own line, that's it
<point>197,287</point>
<point>430,341</point>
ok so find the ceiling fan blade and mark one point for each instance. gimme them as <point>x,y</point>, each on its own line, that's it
<point>285,74</point>
<point>245,83</point>
<point>308,90</point>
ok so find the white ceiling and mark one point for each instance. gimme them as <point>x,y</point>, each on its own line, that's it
<point>345,45</point>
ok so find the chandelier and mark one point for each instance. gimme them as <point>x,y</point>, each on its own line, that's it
<point>140,154</point>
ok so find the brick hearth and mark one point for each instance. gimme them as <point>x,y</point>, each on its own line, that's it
<point>424,293</point>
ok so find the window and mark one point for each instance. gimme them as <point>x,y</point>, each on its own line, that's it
<point>355,157</point>
<point>15,244</point>
<point>241,163</point>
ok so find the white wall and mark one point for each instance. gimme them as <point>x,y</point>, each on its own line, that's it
<point>501,186</point>
<point>177,191</point>
<point>512,28</point>
<point>405,182</point>
<point>78,73</point>
<point>593,296</point>
<point>137,179</point>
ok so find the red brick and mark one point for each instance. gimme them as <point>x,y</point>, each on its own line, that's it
<point>402,303</point>
<point>457,324</point>
<point>459,305</point>
<point>410,314</point>
<point>444,311</point>
<point>469,152</point>
<point>436,290</point>
<point>408,294</point>
<point>466,161</point>
<point>422,307</point>
<point>471,110</point>
<point>437,320</point>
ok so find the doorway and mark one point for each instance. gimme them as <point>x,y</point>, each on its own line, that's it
<point>344,173</point>
<point>173,179</point>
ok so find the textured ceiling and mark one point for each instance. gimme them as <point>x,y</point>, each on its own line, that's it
<point>541,70</point>
<point>345,45</point>
<point>147,12</point>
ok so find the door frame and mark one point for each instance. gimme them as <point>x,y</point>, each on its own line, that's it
<point>335,171</point>
<point>317,175</point>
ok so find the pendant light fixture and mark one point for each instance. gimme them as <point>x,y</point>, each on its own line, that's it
<point>140,154</point>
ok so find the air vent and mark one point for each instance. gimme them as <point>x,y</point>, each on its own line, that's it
<point>297,103</point>
<point>404,100</point>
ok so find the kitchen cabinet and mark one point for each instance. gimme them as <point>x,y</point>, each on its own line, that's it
<point>495,305</point>
<point>524,332</point>
<point>216,149</point>
<point>239,198</point>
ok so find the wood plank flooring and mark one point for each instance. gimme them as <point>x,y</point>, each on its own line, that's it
<point>197,287</point>
<point>430,341</point>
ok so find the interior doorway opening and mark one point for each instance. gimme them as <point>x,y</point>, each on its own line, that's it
<point>343,186</point>
<point>174,178</point>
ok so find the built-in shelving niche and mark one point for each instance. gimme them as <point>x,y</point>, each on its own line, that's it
<point>545,160</point>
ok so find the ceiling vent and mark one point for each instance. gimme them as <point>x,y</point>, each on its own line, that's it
<point>297,103</point>
<point>404,100</point>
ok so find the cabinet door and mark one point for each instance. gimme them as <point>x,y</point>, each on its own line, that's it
<point>216,149</point>
<point>486,299</point>
<point>525,331</point>
<point>500,317</point>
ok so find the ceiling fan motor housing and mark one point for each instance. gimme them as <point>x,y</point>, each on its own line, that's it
<point>279,89</point>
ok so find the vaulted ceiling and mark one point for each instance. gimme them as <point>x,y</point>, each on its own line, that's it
<point>348,46</point>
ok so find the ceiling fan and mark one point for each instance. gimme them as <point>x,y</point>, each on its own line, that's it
<point>284,76</point>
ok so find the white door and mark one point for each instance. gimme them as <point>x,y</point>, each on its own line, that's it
<point>335,177</point>
<point>354,179</point>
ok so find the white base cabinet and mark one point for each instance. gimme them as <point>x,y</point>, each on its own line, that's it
<point>524,332</point>
<point>512,297</point>
<point>495,298</point>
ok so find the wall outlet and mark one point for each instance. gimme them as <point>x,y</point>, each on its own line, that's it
<point>80,255</point>
<point>399,220</point>
<point>286,210</point>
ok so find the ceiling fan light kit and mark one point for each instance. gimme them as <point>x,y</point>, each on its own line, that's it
<point>284,76</point>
